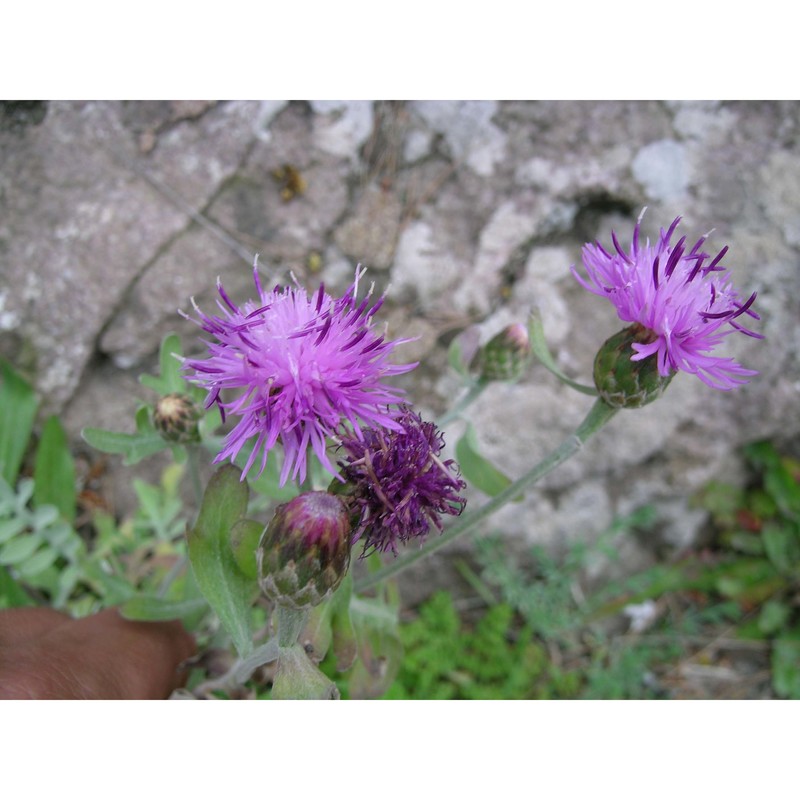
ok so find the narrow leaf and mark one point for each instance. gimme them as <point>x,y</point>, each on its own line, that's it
<point>12,595</point>
<point>542,352</point>
<point>9,528</point>
<point>786,667</point>
<point>455,358</point>
<point>37,563</point>
<point>170,379</point>
<point>18,403</point>
<point>379,648</point>
<point>244,538</point>
<point>133,446</point>
<point>268,483</point>
<point>20,549</point>
<point>154,609</point>
<point>345,643</point>
<point>782,547</point>
<point>54,471</point>
<point>479,471</point>
<point>227,589</point>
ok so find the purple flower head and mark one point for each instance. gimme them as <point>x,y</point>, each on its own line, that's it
<point>303,365</point>
<point>398,483</point>
<point>683,297</point>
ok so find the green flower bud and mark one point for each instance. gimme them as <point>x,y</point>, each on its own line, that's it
<point>623,383</point>
<point>304,552</point>
<point>175,418</point>
<point>505,356</point>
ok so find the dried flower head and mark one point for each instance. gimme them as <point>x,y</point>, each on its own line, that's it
<point>303,365</point>
<point>397,482</point>
<point>684,299</point>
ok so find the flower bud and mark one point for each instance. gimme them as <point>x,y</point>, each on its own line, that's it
<point>304,552</point>
<point>175,418</point>
<point>505,356</point>
<point>621,382</point>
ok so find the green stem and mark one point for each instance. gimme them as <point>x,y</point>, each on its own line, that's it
<point>474,392</point>
<point>290,624</point>
<point>599,414</point>
<point>176,569</point>
<point>245,667</point>
<point>192,454</point>
<point>241,671</point>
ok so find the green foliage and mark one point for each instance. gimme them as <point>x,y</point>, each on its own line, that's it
<point>147,441</point>
<point>169,380</point>
<point>19,404</point>
<point>39,548</point>
<point>160,512</point>
<point>42,549</point>
<point>54,472</point>
<point>542,352</point>
<point>758,534</point>
<point>546,599</point>
<point>456,360</point>
<point>543,638</point>
<point>477,469</point>
<point>380,651</point>
<point>623,673</point>
<point>228,590</point>
<point>447,659</point>
<point>45,559</point>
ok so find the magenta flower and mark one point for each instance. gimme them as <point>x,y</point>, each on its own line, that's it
<point>303,365</point>
<point>685,299</point>
<point>398,483</point>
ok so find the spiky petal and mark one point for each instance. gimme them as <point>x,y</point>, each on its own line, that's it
<point>683,296</point>
<point>302,365</point>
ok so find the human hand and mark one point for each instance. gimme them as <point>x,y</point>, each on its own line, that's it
<point>46,655</point>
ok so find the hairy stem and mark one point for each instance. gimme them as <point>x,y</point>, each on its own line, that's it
<point>193,457</point>
<point>241,670</point>
<point>473,393</point>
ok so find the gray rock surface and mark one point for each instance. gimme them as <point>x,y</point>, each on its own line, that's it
<point>112,215</point>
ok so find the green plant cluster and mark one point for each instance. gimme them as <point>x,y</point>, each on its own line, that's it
<point>446,659</point>
<point>758,536</point>
<point>538,638</point>
<point>51,556</point>
<point>745,586</point>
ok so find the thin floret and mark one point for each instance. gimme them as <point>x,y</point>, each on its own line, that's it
<point>686,299</point>
<point>294,367</point>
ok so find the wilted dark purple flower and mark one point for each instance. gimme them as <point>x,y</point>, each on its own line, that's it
<point>303,365</point>
<point>685,298</point>
<point>398,483</point>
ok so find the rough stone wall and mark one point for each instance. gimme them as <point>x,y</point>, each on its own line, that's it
<point>113,214</point>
